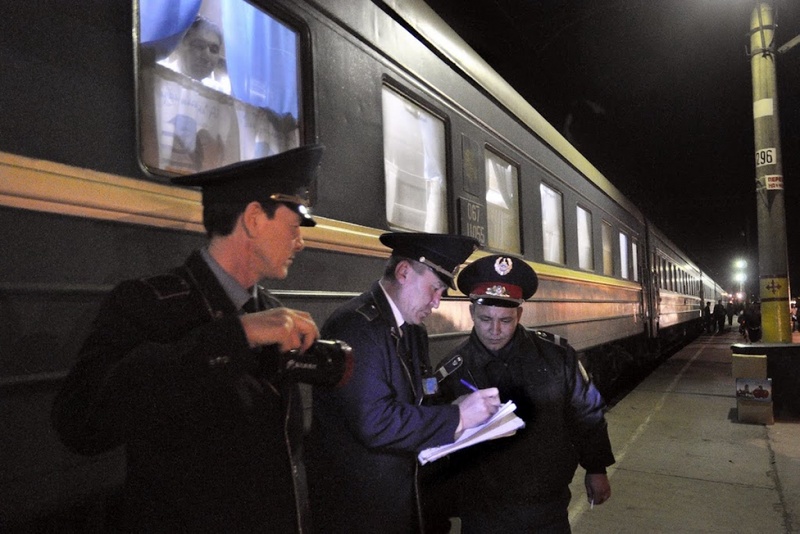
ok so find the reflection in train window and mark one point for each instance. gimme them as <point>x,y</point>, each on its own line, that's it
<point>502,204</point>
<point>552,225</point>
<point>623,255</point>
<point>414,164</point>
<point>585,245</point>
<point>608,250</point>
<point>218,83</point>
<point>635,260</point>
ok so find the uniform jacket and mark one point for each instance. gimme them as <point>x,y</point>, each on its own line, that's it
<point>211,434</point>
<point>365,436</point>
<point>563,414</point>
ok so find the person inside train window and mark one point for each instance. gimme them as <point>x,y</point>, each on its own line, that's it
<point>199,55</point>
<point>521,483</point>
<point>191,385</point>
<point>365,436</point>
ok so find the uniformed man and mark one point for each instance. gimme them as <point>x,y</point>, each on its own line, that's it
<point>365,437</point>
<point>521,483</point>
<point>178,373</point>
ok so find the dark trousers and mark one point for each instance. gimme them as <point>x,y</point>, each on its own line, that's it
<point>543,518</point>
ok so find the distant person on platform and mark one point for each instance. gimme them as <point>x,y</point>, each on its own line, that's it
<point>729,312</point>
<point>184,368</point>
<point>751,321</point>
<point>707,325</point>
<point>365,436</point>
<point>521,483</point>
<point>719,316</point>
<point>199,55</point>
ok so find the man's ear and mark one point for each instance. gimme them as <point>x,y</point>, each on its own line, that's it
<point>250,218</point>
<point>519,313</point>
<point>401,271</point>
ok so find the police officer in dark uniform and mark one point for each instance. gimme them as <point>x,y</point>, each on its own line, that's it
<point>178,373</point>
<point>521,483</point>
<point>365,436</point>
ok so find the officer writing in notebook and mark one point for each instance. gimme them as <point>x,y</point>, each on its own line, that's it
<point>365,436</point>
<point>176,371</point>
<point>521,483</point>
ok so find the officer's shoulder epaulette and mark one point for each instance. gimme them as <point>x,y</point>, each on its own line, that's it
<point>448,366</point>
<point>166,286</point>
<point>369,310</point>
<point>552,338</point>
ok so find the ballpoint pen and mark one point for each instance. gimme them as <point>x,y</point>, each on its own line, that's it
<point>470,386</point>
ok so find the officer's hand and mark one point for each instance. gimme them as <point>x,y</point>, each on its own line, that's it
<point>289,329</point>
<point>477,407</point>
<point>598,489</point>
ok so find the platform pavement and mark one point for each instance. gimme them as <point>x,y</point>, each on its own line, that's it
<point>684,462</point>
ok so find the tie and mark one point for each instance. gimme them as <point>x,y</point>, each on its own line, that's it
<point>251,306</point>
<point>406,329</point>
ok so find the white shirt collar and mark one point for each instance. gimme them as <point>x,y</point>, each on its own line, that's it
<point>398,317</point>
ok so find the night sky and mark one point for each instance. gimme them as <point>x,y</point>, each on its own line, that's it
<point>657,94</point>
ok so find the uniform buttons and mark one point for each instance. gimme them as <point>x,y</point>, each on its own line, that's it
<point>219,360</point>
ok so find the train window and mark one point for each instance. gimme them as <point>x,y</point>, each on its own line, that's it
<point>635,259</point>
<point>608,251</point>
<point>623,255</point>
<point>217,83</point>
<point>552,225</point>
<point>502,204</point>
<point>585,244</point>
<point>414,165</point>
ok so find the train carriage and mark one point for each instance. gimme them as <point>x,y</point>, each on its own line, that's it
<point>421,135</point>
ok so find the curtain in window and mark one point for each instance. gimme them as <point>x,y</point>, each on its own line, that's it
<point>432,135</point>
<point>262,60</point>
<point>623,255</point>
<point>414,166</point>
<point>501,205</point>
<point>585,250</point>
<point>552,225</point>
<point>163,23</point>
<point>608,252</point>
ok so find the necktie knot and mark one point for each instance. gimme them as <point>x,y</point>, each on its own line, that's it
<point>251,306</point>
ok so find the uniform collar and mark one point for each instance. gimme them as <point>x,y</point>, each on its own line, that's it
<point>398,317</point>
<point>233,289</point>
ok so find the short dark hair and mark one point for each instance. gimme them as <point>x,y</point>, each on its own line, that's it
<point>220,219</point>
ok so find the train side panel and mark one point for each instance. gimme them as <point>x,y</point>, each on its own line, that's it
<point>84,215</point>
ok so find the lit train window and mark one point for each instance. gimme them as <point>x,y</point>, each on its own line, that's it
<point>635,260</point>
<point>585,245</point>
<point>414,164</point>
<point>552,225</point>
<point>217,82</point>
<point>672,277</point>
<point>502,204</point>
<point>623,255</point>
<point>608,251</point>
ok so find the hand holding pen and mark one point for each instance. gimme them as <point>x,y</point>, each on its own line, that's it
<point>478,406</point>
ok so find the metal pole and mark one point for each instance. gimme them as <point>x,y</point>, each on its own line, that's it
<point>773,263</point>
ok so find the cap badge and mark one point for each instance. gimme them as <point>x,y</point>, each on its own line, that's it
<point>503,265</point>
<point>496,291</point>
